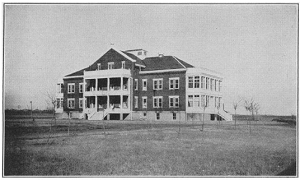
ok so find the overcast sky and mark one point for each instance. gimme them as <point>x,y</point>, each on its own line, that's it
<point>253,46</point>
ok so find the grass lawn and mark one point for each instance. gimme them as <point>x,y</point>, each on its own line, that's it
<point>139,148</point>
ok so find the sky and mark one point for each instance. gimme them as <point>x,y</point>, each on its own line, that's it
<point>254,46</point>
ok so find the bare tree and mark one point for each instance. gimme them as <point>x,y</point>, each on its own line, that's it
<point>51,100</point>
<point>235,105</point>
<point>252,107</point>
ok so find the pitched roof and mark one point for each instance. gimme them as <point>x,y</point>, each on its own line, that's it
<point>77,73</point>
<point>163,63</point>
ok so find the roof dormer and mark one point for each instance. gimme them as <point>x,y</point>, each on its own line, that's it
<point>140,53</point>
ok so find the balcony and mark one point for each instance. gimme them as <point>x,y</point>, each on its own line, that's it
<point>107,73</point>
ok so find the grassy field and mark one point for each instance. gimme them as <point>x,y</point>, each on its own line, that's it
<point>139,148</point>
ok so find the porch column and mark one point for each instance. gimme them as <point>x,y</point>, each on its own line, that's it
<point>96,86</point>
<point>121,83</point>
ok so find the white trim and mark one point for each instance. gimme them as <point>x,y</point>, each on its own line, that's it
<point>144,88</point>
<point>68,103</point>
<point>162,83</point>
<point>136,102</point>
<point>110,63</point>
<point>174,85</point>
<point>158,97</point>
<point>123,64</point>
<point>136,84</point>
<point>79,88</point>
<point>174,101</point>
<point>71,77</point>
<point>179,61</point>
<point>123,54</point>
<point>161,71</point>
<point>81,99</point>
<point>69,85</point>
<point>140,65</point>
<point>144,97</point>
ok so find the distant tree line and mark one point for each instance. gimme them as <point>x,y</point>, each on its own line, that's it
<point>27,111</point>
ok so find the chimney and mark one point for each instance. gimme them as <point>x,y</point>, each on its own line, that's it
<point>160,55</point>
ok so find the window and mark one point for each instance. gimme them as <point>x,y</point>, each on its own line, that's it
<point>207,101</point>
<point>219,86</point>
<point>71,88</point>
<point>71,103</point>
<point>197,101</point>
<point>60,87</point>
<point>207,83</point>
<point>99,66</point>
<point>140,53</point>
<point>144,84</point>
<point>219,103</point>
<point>111,65</point>
<point>136,84</point>
<point>157,116</point>
<point>174,116</point>
<point>190,101</point>
<point>157,102</point>
<point>145,114</point>
<point>211,84</point>
<point>80,87</point>
<point>174,101</point>
<point>174,83</point>
<point>136,101</point>
<point>216,100</point>
<point>80,102</point>
<point>197,82</point>
<point>191,82</point>
<point>157,84</point>
<point>202,82</point>
<point>203,103</point>
<point>58,105</point>
<point>123,64</point>
<point>144,101</point>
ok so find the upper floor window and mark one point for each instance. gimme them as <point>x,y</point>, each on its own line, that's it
<point>197,82</point>
<point>174,83</point>
<point>60,88</point>
<point>211,84</point>
<point>216,85</point>
<point>71,103</point>
<point>99,66</point>
<point>140,53</point>
<point>157,101</point>
<point>123,64</point>
<point>80,87</point>
<point>136,101</point>
<point>157,84</point>
<point>191,82</point>
<point>174,101</point>
<point>219,85</point>
<point>202,82</point>
<point>197,100</point>
<point>144,84</point>
<point>203,102</point>
<point>207,81</point>
<point>136,84</point>
<point>71,88</point>
<point>111,65</point>
<point>144,98</point>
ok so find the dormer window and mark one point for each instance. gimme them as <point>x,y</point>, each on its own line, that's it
<point>111,65</point>
<point>99,66</point>
<point>123,64</point>
<point>140,53</point>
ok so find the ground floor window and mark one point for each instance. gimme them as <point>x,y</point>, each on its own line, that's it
<point>157,102</point>
<point>157,116</point>
<point>80,102</point>
<point>145,114</point>
<point>174,101</point>
<point>59,103</point>
<point>174,116</point>
<point>71,103</point>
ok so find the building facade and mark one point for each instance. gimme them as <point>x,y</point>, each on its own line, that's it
<point>128,85</point>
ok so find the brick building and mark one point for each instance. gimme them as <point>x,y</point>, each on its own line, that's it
<point>126,85</point>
